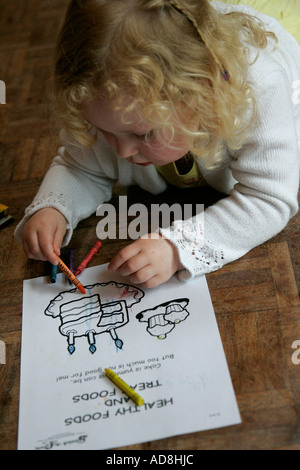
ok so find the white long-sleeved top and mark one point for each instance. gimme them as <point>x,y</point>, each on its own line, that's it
<point>261,179</point>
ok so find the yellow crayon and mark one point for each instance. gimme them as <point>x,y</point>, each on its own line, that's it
<point>124,387</point>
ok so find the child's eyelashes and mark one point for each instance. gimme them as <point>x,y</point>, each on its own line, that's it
<point>147,136</point>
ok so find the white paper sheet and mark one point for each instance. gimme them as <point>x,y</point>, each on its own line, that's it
<point>164,342</point>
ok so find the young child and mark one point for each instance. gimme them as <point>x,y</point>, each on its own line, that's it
<point>144,88</point>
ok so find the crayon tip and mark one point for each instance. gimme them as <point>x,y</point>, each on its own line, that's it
<point>81,288</point>
<point>139,401</point>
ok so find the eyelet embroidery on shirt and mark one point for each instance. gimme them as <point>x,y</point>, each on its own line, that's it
<point>188,236</point>
<point>52,198</point>
<point>209,256</point>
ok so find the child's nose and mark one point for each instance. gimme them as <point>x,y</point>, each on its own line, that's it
<point>126,147</point>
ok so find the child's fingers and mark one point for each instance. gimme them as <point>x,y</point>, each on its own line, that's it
<point>153,282</point>
<point>142,275</point>
<point>123,256</point>
<point>58,239</point>
<point>32,247</point>
<point>134,264</point>
<point>43,235</point>
<point>46,243</point>
<point>27,247</point>
<point>40,246</point>
<point>52,258</point>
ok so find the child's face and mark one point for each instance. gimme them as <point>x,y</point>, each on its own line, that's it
<point>129,140</point>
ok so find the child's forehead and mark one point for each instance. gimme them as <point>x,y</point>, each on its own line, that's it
<point>119,117</point>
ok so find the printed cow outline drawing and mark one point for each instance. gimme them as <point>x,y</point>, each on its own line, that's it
<point>102,310</point>
<point>105,308</point>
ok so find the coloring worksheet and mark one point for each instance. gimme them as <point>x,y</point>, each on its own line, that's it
<point>163,342</point>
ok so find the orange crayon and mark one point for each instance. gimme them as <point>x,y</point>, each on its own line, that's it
<point>70,275</point>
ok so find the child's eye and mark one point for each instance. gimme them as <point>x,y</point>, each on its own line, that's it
<point>146,137</point>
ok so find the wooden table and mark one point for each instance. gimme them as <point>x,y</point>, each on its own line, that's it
<point>256,299</point>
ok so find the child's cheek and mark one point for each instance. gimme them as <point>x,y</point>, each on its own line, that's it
<point>166,154</point>
<point>109,139</point>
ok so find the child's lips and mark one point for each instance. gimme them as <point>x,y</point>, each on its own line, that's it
<point>130,160</point>
<point>143,164</point>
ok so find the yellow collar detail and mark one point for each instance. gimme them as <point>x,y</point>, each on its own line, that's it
<point>193,178</point>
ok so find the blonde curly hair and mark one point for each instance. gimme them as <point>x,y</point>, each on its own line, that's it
<point>182,64</point>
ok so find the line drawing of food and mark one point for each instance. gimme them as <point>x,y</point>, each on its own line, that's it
<point>163,318</point>
<point>103,309</point>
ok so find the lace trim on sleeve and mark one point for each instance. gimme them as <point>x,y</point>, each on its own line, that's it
<point>58,202</point>
<point>197,256</point>
<point>51,200</point>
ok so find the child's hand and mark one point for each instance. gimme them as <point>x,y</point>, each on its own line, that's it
<point>147,261</point>
<point>43,235</point>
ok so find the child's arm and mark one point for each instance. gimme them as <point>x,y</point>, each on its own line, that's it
<point>72,189</point>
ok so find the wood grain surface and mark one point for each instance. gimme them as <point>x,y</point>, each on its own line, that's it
<point>256,299</point>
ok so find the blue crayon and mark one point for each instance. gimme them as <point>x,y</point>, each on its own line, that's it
<point>53,274</point>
